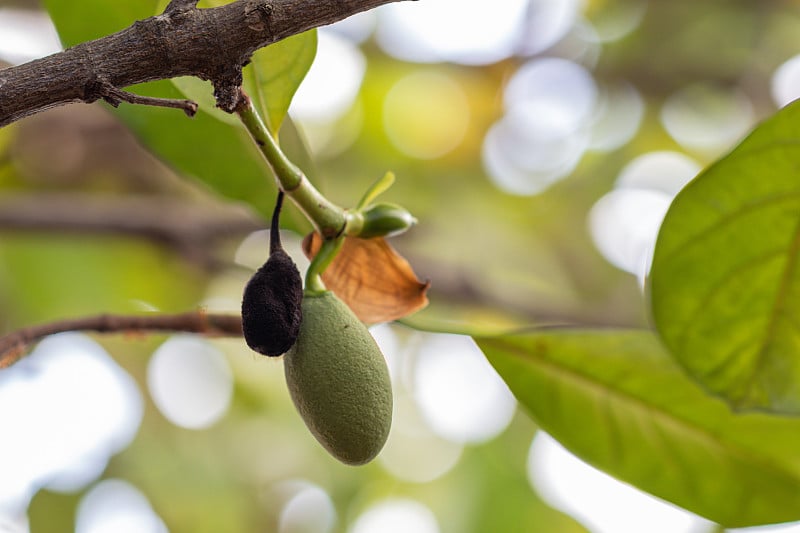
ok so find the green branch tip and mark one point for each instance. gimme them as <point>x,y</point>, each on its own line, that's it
<point>328,218</point>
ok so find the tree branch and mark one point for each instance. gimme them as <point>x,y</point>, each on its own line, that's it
<point>187,227</point>
<point>212,44</point>
<point>115,96</point>
<point>15,345</point>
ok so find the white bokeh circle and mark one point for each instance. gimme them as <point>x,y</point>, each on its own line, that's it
<point>190,382</point>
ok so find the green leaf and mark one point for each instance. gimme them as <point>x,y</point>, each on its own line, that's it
<point>725,280</point>
<point>276,72</point>
<point>84,20</point>
<point>617,400</point>
<point>380,186</point>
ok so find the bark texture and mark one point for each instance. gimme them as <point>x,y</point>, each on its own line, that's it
<point>212,44</point>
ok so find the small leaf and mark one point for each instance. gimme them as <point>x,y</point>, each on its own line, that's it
<point>380,186</point>
<point>372,279</point>
<point>726,272</point>
<point>617,400</point>
<point>276,72</point>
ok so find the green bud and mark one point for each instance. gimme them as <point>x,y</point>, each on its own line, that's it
<point>385,220</point>
<point>338,380</point>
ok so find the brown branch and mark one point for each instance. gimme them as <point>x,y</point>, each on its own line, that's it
<point>189,228</point>
<point>212,44</point>
<point>15,345</point>
<point>115,96</point>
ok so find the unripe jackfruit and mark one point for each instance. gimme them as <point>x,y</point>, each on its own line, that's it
<point>338,380</point>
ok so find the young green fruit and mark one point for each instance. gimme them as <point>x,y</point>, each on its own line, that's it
<point>271,304</point>
<point>339,381</point>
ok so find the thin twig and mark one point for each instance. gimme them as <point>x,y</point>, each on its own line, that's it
<point>115,96</point>
<point>15,345</point>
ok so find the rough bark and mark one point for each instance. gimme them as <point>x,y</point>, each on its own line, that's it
<point>212,44</point>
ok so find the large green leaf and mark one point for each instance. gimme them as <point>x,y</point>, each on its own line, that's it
<point>725,278</point>
<point>617,400</point>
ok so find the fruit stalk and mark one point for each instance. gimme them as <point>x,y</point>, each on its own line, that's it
<point>328,218</point>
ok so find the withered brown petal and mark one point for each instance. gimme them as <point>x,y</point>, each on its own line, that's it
<point>376,282</point>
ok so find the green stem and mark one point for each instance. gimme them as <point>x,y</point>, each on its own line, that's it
<point>328,218</point>
<point>327,253</point>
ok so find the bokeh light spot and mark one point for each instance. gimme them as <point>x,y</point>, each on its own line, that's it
<point>426,115</point>
<point>786,82</point>
<point>25,35</point>
<point>14,524</point>
<point>413,451</point>
<point>706,117</point>
<point>356,28</point>
<point>600,502</point>
<point>85,409</point>
<point>310,510</point>
<point>449,370</point>
<point>546,128</point>
<point>624,224</point>
<point>619,114</point>
<point>190,382</point>
<point>332,84</point>
<point>116,506</point>
<point>396,516</point>
<point>561,90</point>
<point>525,158</point>
<point>664,171</point>
<point>389,344</point>
<point>414,31</point>
<point>546,22</point>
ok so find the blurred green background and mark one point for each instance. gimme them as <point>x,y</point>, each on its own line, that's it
<point>538,143</point>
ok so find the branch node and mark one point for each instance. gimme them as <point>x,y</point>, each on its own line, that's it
<point>228,89</point>
<point>180,6</point>
<point>257,15</point>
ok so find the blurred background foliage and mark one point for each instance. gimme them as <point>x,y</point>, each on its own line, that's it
<point>538,143</point>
